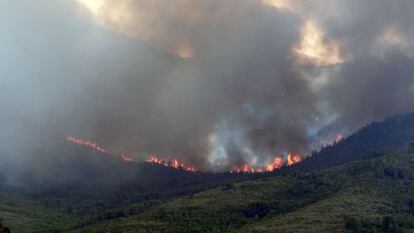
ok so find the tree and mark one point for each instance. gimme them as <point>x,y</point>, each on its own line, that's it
<point>411,148</point>
<point>353,224</point>
<point>3,228</point>
<point>256,209</point>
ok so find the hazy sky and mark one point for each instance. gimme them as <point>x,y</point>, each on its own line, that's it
<point>210,82</point>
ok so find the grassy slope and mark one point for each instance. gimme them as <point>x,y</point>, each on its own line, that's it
<point>324,216</point>
<point>23,215</point>
<point>321,201</point>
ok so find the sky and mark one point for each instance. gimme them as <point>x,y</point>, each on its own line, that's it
<point>214,83</point>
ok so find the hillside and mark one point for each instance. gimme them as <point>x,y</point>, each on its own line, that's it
<point>343,186</point>
<point>93,182</point>
<point>23,215</point>
<point>85,182</point>
<point>393,133</point>
<point>376,193</point>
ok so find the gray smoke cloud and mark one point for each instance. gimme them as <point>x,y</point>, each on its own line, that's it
<point>244,95</point>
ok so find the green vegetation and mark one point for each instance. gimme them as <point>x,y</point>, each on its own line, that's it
<point>22,215</point>
<point>343,188</point>
<point>375,194</point>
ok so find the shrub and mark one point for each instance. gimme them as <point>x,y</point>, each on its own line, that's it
<point>228,186</point>
<point>353,225</point>
<point>411,206</point>
<point>256,209</point>
<point>411,148</point>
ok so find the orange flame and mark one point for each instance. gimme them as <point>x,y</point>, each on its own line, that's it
<point>291,160</point>
<point>89,144</point>
<point>96,147</point>
<point>277,164</point>
<point>245,168</point>
<point>174,163</point>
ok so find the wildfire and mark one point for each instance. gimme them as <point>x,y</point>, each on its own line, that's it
<point>245,168</point>
<point>174,163</point>
<point>277,164</point>
<point>96,147</point>
<point>293,159</point>
<point>89,144</point>
<point>339,138</point>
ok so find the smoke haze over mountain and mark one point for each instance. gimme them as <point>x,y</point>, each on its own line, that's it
<point>213,83</point>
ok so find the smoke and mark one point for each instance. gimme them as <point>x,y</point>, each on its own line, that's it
<point>213,83</point>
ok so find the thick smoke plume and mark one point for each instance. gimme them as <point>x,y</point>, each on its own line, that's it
<point>213,83</point>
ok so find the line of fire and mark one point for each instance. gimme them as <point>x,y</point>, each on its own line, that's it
<point>277,163</point>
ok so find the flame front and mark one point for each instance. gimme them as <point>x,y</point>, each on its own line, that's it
<point>174,163</point>
<point>245,168</point>
<point>277,163</point>
<point>291,160</point>
<point>89,144</point>
<point>96,147</point>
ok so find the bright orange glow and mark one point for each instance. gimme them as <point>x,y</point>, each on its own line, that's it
<point>245,168</point>
<point>174,163</point>
<point>89,144</point>
<point>277,164</point>
<point>96,147</point>
<point>291,160</point>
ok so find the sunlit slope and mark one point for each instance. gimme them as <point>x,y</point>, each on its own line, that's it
<point>373,193</point>
<point>22,216</point>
